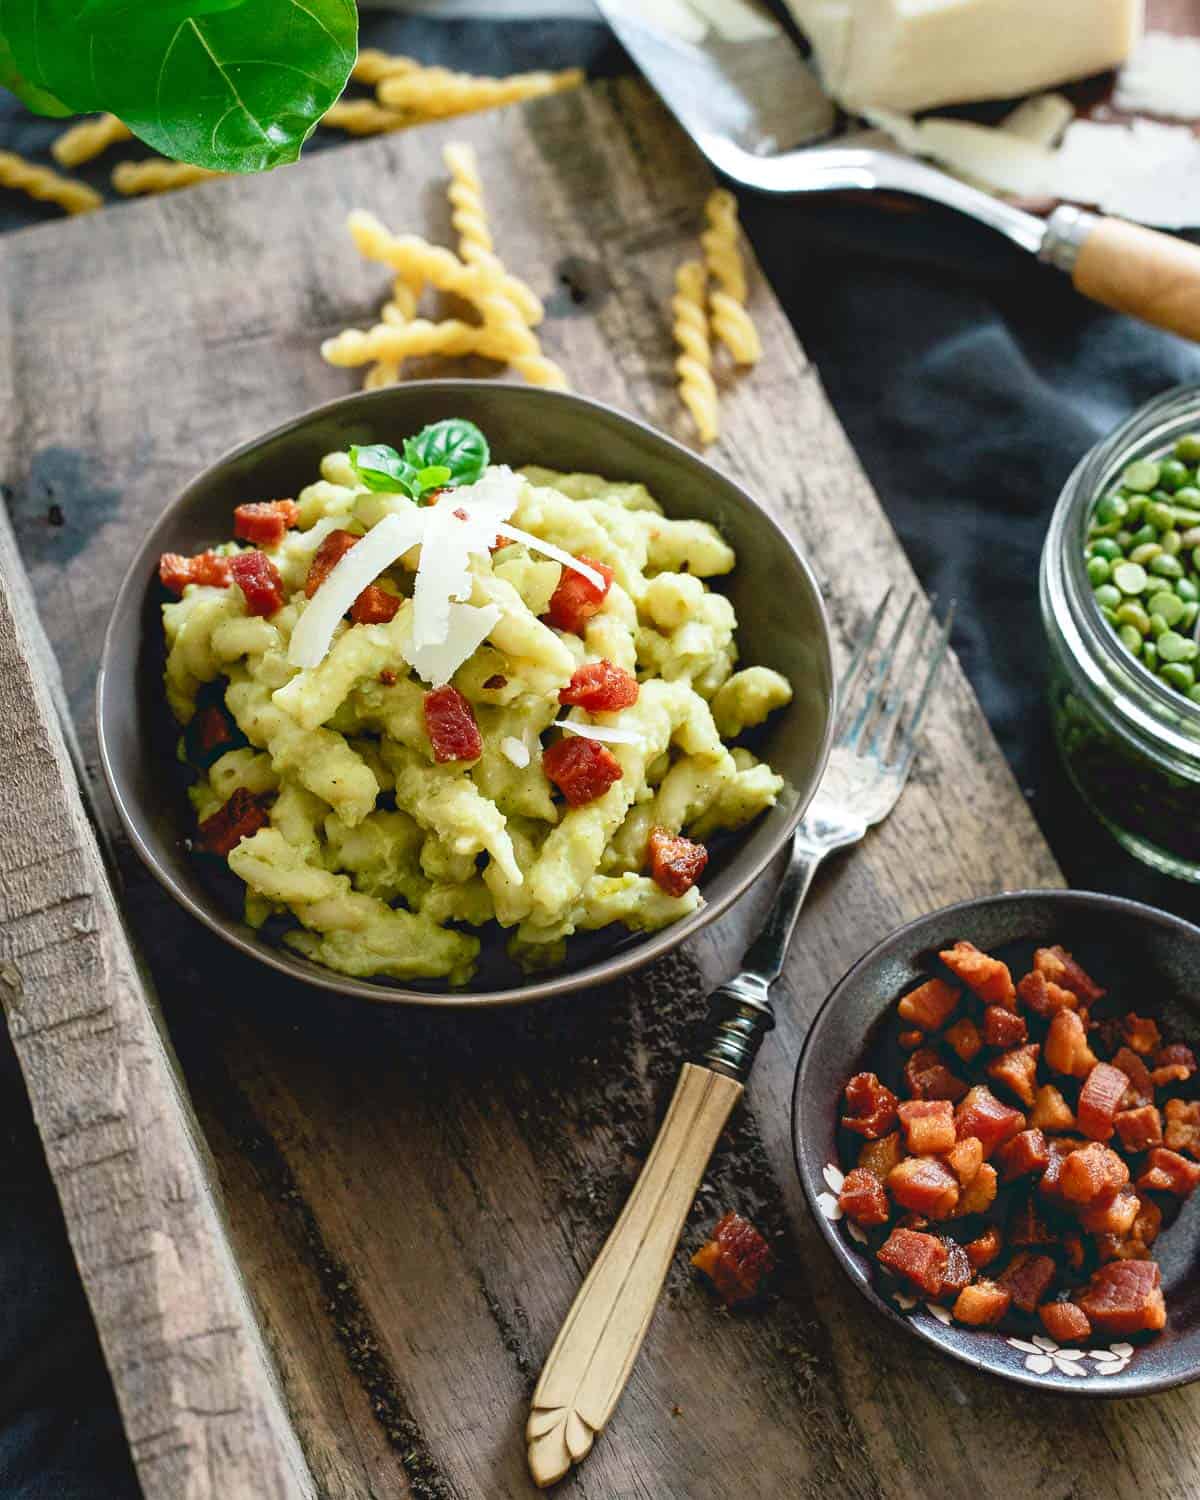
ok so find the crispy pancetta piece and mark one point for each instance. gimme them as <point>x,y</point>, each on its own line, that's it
<point>926,1076</point>
<point>881,1155</point>
<point>1065,1322</point>
<point>1125,1296</point>
<point>1066,1047</point>
<point>1099,1100</point>
<point>982,1304</point>
<point>1183,1126</point>
<point>964,1039</point>
<point>1168,1172</point>
<point>863,1199</point>
<point>982,1115</point>
<point>1092,1172</point>
<point>735,1259</point>
<point>1058,965</point>
<point>924,1185</point>
<point>930,1005</point>
<point>1017,1070</point>
<point>987,977</point>
<point>919,1258</point>
<point>1140,1128</point>
<point>870,1106</point>
<point>928,1125</point>
<point>1028,1277</point>
<point>1050,1111</point>
<point>1026,1152</point>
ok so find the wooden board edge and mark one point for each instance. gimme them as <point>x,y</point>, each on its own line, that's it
<point>201,1402</point>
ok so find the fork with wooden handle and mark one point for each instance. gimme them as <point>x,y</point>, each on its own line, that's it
<point>590,1362</point>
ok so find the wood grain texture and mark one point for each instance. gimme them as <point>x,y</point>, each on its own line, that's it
<point>1152,276</point>
<point>201,1404</point>
<point>586,1370</point>
<point>415,1199</point>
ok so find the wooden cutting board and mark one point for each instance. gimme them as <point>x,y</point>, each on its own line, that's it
<point>412,1199</point>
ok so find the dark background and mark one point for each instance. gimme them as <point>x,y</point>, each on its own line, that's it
<point>970,380</point>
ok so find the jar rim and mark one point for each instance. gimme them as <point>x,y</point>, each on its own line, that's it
<point>1139,701</point>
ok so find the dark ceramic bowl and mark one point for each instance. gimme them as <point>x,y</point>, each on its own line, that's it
<point>781,624</point>
<point>1149,962</point>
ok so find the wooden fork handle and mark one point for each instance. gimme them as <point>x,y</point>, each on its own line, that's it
<point>1135,270</point>
<point>590,1362</point>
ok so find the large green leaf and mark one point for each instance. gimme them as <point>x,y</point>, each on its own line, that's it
<point>235,85</point>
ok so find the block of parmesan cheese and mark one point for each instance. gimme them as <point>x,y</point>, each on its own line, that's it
<point>917,54</point>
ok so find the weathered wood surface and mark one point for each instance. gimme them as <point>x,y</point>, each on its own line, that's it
<point>415,1198</point>
<point>201,1404</point>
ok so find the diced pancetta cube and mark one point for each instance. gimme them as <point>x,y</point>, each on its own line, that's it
<point>1125,1297</point>
<point>930,1005</point>
<point>1115,1214</point>
<point>1168,1172</point>
<point>982,1114</point>
<point>1043,996</point>
<point>919,1258</point>
<point>244,814</point>
<point>1058,965</point>
<point>1051,1112</point>
<point>959,1270</point>
<point>1173,1064</point>
<point>1141,1086</point>
<point>676,863</point>
<point>1066,1047</point>
<point>581,769</point>
<point>209,569</point>
<point>982,1304</point>
<point>600,688</point>
<point>1136,1245</point>
<point>1141,1034</point>
<point>332,549</point>
<point>928,1125</point>
<point>926,1076</point>
<point>882,1155</point>
<point>451,727</point>
<point>1183,1125</point>
<point>1091,1173</point>
<point>965,1039</point>
<point>965,1158</point>
<point>983,1250</point>
<point>1060,1148</point>
<point>1099,1100</point>
<point>1026,1152</point>
<point>1065,1322</point>
<point>1028,1277</point>
<point>265,522</point>
<point>1003,1028</point>
<point>987,977</point>
<point>870,1106</point>
<point>576,598</point>
<point>1017,1070</point>
<point>735,1259</point>
<point>375,606</point>
<point>980,1193</point>
<point>863,1199</point>
<point>924,1185</point>
<point>1139,1128</point>
<point>259,580</point>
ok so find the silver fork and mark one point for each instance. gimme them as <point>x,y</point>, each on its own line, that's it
<point>586,1370</point>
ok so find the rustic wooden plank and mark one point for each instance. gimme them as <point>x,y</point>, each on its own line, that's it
<point>200,1402</point>
<point>414,1199</point>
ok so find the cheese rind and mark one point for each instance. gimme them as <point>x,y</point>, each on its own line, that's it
<point>917,54</point>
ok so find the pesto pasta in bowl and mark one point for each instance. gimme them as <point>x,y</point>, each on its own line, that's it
<point>457,687</point>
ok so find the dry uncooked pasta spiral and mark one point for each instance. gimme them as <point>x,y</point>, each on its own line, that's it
<point>731,322</point>
<point>468,211</point>
<point>438,92</point>
<point>412,256</point>
<point>155,176</point>
<point>372,65</point>
<point>696,388</point>
<point>400,341</point>
<point>46,185</point>
<point>88,139</point>
<point>363,117</point>
<point>400,310</point>
<point>521,348</point>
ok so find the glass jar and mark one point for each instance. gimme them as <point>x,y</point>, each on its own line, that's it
<point>1130,742</point>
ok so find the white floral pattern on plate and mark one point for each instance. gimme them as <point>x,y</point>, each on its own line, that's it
<point>1042,1355</point>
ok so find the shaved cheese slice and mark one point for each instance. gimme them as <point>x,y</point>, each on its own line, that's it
<point>1145,171</point>
<point>515,750</point>
<point>738,20</point>
<point>535,544</point>
<point>1002,160</point>
<point>443,574</point>
<point>1042,119</point>
<point>467,627</point>
<point>361,565</point>
<point>1162,77</point>
<point>605,732</point>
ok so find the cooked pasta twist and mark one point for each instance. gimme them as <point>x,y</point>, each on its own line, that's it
<point>88,139</point>
<point>468,211</point>
<point>46,185</point>
<point>438,92</point>
<point>720,241</point>
<point>372,65</point>
<point>503,320</point>
<point>414,257</point>
<point>158,176</point>
<point>364,117</point>
<point>696,388</point>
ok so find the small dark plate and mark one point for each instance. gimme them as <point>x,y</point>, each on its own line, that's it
<point>780,616</point>
<point>1147,960</point>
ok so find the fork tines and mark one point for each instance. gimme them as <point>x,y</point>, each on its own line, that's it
<point>872,701</point>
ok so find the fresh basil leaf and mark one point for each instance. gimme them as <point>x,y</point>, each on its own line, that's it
<point>455,444</point>
<point>433,477</point>
<point>381,468</point>
<point>233,85</point>
<point>37,99</point>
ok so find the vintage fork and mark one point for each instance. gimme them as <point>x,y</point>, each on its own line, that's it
<point>586,1370</point>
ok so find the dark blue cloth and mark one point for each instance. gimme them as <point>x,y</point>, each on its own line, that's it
<point>970,381</point>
